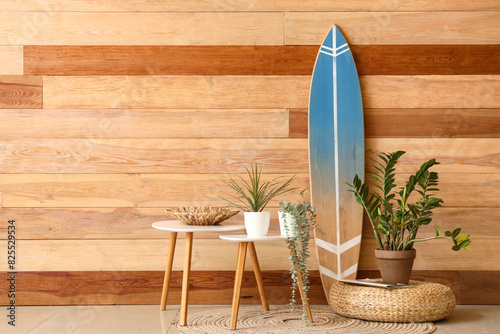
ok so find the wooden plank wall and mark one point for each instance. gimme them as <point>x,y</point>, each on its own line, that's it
<point>111,111</point>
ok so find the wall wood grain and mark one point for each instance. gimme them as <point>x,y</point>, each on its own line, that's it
<point>425,123</point>
<point>143,28</point>
<point>20,91</point>
<point>169,60</point>
<point>125,190</point>
<point>98,223</point>
<point>11,60</point>
<point>144,287</point>
<point>379,91</point>
<point>249,5</point>
<point>143,123</point>
<point>255,60</point>
<point>153,92</point>
<point>151,254</point>
<point>169,156</point>
<point>390,28</point>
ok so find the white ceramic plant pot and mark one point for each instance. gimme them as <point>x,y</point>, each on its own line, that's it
<point>257,223</point>
<point>290,226</point>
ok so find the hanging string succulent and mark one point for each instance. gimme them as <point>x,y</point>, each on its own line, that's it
<point>299,235</point>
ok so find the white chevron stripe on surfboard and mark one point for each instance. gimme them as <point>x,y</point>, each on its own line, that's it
<point>346,273</point>
<point>330,52</point>
<point>334,249</point>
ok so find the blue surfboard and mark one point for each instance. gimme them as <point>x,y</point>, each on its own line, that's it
<point>336,154</point>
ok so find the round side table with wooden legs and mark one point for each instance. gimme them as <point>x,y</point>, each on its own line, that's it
<point>174,226</point>
<point>245,242</point>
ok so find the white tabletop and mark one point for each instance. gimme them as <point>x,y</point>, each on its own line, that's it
<point>246,238</point>
<point>178,226</point>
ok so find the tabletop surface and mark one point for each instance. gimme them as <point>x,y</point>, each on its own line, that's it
<point>178,226</point>
<point>246,238</point>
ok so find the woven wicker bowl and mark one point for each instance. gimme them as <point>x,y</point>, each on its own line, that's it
<point>425,302</point>
<point>201,215</point>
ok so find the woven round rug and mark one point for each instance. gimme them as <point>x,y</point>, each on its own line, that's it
<point>252,319</point>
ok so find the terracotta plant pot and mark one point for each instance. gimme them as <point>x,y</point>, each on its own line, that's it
<point>395,266</point>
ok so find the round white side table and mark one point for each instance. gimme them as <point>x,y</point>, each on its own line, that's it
<point>245,242</point>
<point>175,226</point>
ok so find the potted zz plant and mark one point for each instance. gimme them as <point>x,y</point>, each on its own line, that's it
<point>296,224</point>
<point>253,195</point>
<point>395,221</point>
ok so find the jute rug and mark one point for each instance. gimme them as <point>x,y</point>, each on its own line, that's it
<point>252,319</point>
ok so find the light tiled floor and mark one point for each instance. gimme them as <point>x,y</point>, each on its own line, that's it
<point>477,319</point>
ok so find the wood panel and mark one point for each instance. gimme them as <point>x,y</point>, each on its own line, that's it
<point>437,255</point>
<point>431,91</point>
<point>426,59</point>
<point>154,155</point>
<point>434,123</point>
<point>20,91</point>
<point>169,60</point>
<point>298,123</point>
<point>142,124</point>
<point>129,28</point>
<point>254,60</point>
<point>135,223</point>
<point>249,5</point>
<point>151,254</point>
<point>176,92</point>
<point>478,222</point>
<point>144,287</point>
<point>11,60</point>
<point>489,293</point>
<point>392,28</point>
<point>126,190</point>
<point>456,155</point>
<point>166,190</point>
<point>426,91</point>
<point>98,223</point>
<point>425,123</point>
<point>136,254</point>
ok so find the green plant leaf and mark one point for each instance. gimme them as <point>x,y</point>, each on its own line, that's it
<point>465,243</point>
<point>455,233</point>
<point>438,230</point>
<point>463,237</point>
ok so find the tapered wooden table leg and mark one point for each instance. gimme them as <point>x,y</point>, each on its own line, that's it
<point>304,301</point>
<point>185,278</point>
<point>242,253</point>
<point>168,270</point>
<point>258,275</point>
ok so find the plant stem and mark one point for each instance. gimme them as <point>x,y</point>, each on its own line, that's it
<point>425,239</point>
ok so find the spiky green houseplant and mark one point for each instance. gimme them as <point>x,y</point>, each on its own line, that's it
<point>254,194</point>
<point>302,223</point>
<point>394,220</point>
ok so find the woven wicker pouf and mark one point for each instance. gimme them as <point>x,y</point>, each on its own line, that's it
<point>425,302</point>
